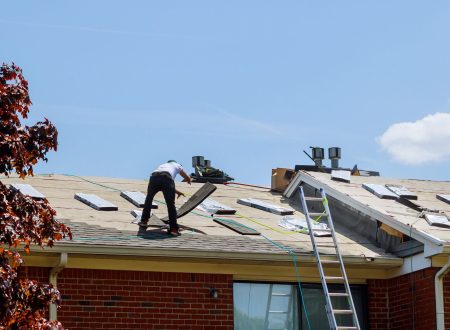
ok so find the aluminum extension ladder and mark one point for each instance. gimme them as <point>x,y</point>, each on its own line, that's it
<point>283,316</point>
<point>329,296</point>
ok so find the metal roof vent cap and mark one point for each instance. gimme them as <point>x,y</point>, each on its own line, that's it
<point>334,154</point>
<point>318,154</point>
<point>198,161</point>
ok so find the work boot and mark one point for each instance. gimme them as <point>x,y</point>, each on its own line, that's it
<point>174,232</point>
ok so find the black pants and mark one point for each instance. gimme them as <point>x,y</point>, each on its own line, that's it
<point>161,182</point>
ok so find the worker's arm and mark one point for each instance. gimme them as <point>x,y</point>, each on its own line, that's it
<point>179,193</point>
<point>186,178</point>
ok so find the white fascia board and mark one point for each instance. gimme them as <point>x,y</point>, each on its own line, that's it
<point>412,264</point>
<point>384,218</point>
<point>293,185</point>
<point>250,258</point>
<point>430,250</point>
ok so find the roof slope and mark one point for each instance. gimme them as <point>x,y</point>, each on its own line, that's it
<point>401,217</point>
<point>114,228</point>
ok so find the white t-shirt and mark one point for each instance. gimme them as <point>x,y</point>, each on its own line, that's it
<point>172,168</point>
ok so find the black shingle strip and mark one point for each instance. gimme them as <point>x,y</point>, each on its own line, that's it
<point>236,226</point>
<point>96,235</point>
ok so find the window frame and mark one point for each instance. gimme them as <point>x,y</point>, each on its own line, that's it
<point>362,288</point>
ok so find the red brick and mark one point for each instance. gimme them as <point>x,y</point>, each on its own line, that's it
<point>148,300</point>
<point>393,304</point>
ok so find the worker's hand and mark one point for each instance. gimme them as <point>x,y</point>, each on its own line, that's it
<point>179,193</point>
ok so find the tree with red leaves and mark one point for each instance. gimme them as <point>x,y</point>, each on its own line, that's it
<point>23,220</point>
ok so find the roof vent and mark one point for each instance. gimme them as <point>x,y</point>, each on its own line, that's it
<point>318,155</point>
<point>334,154</point>
<point>198,161</point>
<point>204,172</point>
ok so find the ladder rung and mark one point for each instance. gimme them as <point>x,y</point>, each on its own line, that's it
<point>330,261</point>
<point>281,294</point>
<point>279,312</point>
<point>338,294</point>
<point>313,214</point>
<point>326,245</point>
<point>313,199</point>
<point>347,328</point>
<point>327,230</point>
<point>334,278</point>
<point>342,311</point>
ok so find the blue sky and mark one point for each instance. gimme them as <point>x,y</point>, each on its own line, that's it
<point>247,84</point>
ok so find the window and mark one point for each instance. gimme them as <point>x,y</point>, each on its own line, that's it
<point>265,306</point>
<point>260,306</point>
<point>315,306</point>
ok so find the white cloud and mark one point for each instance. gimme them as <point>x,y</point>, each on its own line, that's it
<point>415,143</point>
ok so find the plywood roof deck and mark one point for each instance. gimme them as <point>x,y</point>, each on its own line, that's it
<point>425,190</point>
<point>207,235</point>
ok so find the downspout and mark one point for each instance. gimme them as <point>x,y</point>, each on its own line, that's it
<point>53,280</point>
<point>439,292</point>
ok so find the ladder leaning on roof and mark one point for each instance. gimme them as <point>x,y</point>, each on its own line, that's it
<point>329,296</point>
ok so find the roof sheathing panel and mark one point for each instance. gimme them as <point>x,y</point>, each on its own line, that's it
<point>391,212</point>
<point>60,189</point>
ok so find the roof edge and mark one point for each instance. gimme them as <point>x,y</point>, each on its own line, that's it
<point>414,233</point>
<point>250,258</point>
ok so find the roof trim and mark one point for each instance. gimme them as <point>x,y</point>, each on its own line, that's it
<point>414,233</point>
<point>249,258</point>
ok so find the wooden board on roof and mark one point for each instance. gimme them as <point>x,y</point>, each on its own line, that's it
<point>95,202</point>
<point>401,191</point>
<point>256,203</point>
<point>27,190</point>
<point>380,191</point>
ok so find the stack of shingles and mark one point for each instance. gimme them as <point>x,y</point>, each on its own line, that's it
<point>404,196</point>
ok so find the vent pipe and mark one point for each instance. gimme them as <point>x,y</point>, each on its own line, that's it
<point>334,154</point>
<point>198,161</point>
<point>317,155</point>
<point>207,163</point>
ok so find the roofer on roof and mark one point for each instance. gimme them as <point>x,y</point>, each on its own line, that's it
<point>162,179</point>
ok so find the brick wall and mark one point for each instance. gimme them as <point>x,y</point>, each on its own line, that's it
<point>447,300</point>
<point>149,300</point>
<point>406,302</point>
<point>96,299</point>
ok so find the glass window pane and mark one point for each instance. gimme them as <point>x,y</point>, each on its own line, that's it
<point>260,306</point>
<point>315,307</point>
<point>265,306</point>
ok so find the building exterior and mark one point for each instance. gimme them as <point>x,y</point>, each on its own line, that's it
<point>114,276</point>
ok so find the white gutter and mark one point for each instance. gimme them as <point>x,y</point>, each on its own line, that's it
<point>53,280</point>
<point>439,292</point>
<point>248,258</point>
